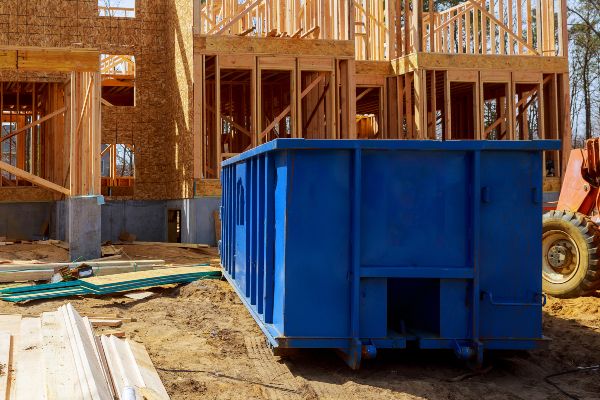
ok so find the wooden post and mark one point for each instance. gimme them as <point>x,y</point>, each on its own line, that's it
<point>447,108</point>
<point>198,101</point>
<point>417,25</point>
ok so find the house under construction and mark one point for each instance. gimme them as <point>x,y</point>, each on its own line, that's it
<point>141,104</point>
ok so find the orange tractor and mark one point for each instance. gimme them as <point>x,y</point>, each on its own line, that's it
<point>571,235</point>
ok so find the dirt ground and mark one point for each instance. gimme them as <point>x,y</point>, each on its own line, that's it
<point>205,345</point>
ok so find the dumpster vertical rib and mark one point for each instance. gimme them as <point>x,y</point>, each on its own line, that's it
<point>354,353</point>
<point>225,211</point>
<point>475,253</point>
<point>246,222</point>
<point>260,232</point>
<point>269,235</point>
<point>252,186</point>
<point>234,200</point>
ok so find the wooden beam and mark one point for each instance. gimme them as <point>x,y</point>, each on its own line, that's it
<point>49,59</point>
<point>106,103</point>
<point>316,108</point>
<point>282,46</point>
<point>364,93</point>
<point>312,85</point>
<point>36,123</point>
<point>479,62</point>
<point>41,182</point>
<point>275,121</point>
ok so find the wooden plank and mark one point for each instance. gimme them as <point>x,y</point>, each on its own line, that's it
<point>166,244</point>
<point>150,377</point>
<point>113,323</point>
<point>10,323</point>
<point>46,274</point>
<point>28,357</point>
<point>60,369</point>
<point>94,264</point>
<point>84,348</point>
<point>34,179</point>
<point>5,364</point>
<point>121,364</point>
<point>130,365</point>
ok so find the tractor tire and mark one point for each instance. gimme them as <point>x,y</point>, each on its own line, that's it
<point>571,254</point>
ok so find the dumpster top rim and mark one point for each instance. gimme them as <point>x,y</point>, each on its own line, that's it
<point>416,145</point>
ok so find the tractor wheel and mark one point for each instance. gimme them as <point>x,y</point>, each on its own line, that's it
<point>571,254</point>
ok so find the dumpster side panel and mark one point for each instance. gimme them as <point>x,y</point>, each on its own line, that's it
<point>414,202</point>
<point>510,267</point>
<point>317,244</point>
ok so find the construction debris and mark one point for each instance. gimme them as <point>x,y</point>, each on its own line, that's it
<point>110,284</point>
<point>165,244</point>
<point>37,271</point>
<point>58,356</point>
<point>110,250</point>
<point>112,323</point>
<point>127,237</point>
<point>139,295</point>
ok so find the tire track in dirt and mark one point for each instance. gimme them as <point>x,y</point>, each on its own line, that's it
<point>279,383</point>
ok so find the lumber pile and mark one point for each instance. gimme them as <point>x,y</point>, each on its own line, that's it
<point>58,356</point>
<point>166,244</point>
<point>102,285</point>
<point>36,271</point>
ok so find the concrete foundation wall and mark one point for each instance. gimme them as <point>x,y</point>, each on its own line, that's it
<point>145,219</point>
<point>24,221</point>
<point>197,222</point>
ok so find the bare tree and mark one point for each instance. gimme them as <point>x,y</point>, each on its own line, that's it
<point>584,17</point>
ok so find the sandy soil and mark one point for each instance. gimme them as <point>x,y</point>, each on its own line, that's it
<point>206,346</point>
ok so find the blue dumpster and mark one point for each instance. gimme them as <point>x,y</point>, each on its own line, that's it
<point>360,245</point>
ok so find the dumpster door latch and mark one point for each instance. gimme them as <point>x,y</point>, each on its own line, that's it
<point>539,300</point>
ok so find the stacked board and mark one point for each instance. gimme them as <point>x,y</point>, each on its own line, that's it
<point>101,285</point>
<point>58,356</point>
<point>35,271</point>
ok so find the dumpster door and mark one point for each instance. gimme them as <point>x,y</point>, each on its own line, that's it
<point>510,234</point>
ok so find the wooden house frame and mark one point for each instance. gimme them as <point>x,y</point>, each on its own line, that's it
<point>61,121</point>
<point>479,70</point>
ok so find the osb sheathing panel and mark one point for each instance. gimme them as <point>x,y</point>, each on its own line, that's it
<point>180,42</point>
<point>160,38</point>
